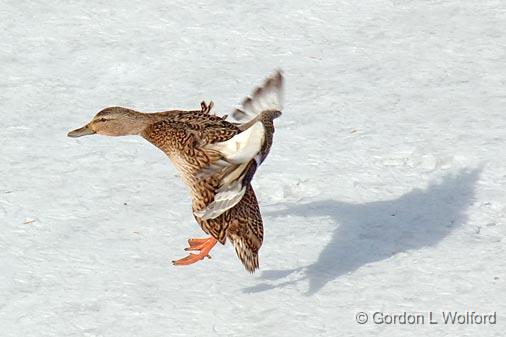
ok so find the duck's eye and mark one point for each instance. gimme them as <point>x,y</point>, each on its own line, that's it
<point>101,119</point>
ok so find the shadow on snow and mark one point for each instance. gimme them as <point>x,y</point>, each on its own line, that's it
<point>375,231</point>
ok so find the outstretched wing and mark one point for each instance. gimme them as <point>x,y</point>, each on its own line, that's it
<point>235,161</point>
<point>239,156</point>
<point>269,96</point>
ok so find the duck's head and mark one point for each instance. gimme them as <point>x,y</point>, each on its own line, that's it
<point>114,121</point>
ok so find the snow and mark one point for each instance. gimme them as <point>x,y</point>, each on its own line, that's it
<point>384,189</point>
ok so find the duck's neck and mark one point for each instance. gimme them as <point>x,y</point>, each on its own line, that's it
<point>133,122</point>
<point>146,120</point>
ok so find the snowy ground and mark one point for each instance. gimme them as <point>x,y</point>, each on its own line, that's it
<point>384,190</point>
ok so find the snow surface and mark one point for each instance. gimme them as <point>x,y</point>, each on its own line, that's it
<point>384,190</point>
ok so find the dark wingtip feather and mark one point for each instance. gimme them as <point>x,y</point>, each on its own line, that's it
<point>249,109</point>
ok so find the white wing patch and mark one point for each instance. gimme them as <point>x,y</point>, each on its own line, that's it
<point>242,147</point>
<point>237,152</point>
<point>227,197</point>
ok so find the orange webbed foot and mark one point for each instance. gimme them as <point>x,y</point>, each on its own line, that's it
<point>204,246</point>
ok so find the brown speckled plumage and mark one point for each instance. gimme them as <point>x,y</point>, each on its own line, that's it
<point>182,135</point>
<point>217,172</point>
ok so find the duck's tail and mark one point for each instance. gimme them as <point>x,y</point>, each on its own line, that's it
<point>248,257</point>
<point>246,230</point>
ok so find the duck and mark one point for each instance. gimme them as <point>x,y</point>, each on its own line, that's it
<point>216,158</point>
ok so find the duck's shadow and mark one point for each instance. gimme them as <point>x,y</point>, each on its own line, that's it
<point>374,231</point>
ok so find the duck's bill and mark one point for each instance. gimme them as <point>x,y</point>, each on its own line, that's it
<point>84,131</point>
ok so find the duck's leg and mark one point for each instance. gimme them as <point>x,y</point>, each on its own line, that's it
<point>194,243</point>
<point>204,246</point>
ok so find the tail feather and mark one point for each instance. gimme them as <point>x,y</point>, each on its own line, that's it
<point>248,257</point>
<point>246,232</point>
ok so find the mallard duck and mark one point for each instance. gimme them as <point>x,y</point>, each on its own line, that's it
<point>217,160</point>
